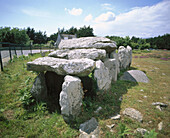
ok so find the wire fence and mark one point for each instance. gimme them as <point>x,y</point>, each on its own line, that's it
<point>8,50</point>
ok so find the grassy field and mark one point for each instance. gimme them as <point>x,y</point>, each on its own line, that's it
<point>22,116</point>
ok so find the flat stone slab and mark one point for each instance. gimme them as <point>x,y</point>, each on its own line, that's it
<point>88,42</point>
<point>78,67</point>
<point>135,76</point>
<point>89,126</point>
<point>160,104</point>
<point>93,53</point>
<point>134,114</point>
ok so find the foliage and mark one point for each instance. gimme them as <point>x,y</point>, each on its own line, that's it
<point>50,43</point>
<point>40,107</point>
<point>71,31</point>
<point>123,130</point>
<point>15,35</point>
<point>24,93</point>
<point>37,37</point>
<point>151,134</point>
<point>53,37</point>
<point>160,42</point>
<point>85,32</point>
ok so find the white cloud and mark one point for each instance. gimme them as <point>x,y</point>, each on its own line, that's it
<point>107,6</point>
<point>145,21</point>
<point>105,17</point>
<point>88,18</point>
<point>36,13</point>
<point>74,11</point>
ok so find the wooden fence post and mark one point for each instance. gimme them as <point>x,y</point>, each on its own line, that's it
<point>21,51</point>
<point>15,51</point>
<point>31,49</point>
<point>1,61</point>
<point>10,53</point>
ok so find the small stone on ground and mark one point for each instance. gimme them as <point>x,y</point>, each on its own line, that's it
<point>134,114</point>
<point>110,126</point>
<point>142,131</point>
<point>89,129</point>
<point>116,117</point>
<point>160,126</point>
<point>160,104</point>
<point>98,110</point>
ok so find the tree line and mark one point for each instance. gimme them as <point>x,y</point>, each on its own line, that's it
<point>30,36</point>
<point>160,42</point>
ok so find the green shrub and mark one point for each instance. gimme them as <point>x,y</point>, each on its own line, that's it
<point>123,130</point>
<point>25,95</point>
<point>151,134</point>
<point>40,107</point>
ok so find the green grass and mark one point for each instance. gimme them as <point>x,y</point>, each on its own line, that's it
<point>21,116</point>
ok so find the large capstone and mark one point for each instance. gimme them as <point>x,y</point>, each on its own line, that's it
<point>89,42</point>
<point>111,64</point>
<point>79,67</point>
<point>93,53</point>
<point>39,88</point>
<point>71,97</point>
<point>102,76</point>
<point>135,76</point>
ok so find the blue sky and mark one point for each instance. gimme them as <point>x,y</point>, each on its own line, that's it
<point>141,18</point>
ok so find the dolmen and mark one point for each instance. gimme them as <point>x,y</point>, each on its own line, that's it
<point>64,74</point>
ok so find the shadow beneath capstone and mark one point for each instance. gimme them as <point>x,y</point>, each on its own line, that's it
<point>54,87</point>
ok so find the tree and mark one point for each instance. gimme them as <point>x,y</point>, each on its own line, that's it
<point>40,38</point>
<point>31,33</point>
<point>134,39</point>
<point>20,36</point>
<point>53,37</point>
<point>72,31</point>
<point>85,32</point>
<point>160,42</point>
<point>15,35</point>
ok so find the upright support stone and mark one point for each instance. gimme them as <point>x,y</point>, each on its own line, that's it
<point>122,57</point>
<point>129,55</point>
<point>102,76</point>
<point>114,55</point>
<point>39,88</point>
<point>111,64</point>
<point>125,56</point>
<point>71,98</point>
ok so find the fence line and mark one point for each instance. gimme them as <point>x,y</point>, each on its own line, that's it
<point>1,62</point>
<point>9,49</point>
